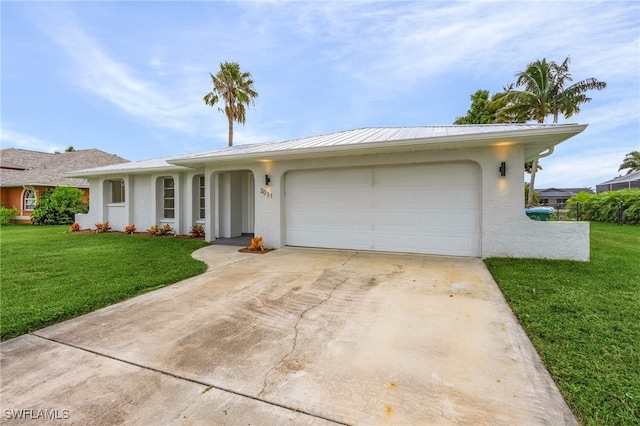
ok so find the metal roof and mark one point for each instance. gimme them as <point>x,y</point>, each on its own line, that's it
<point>155,164</point>
<point>371,135</point>
<point>537,137</point>
<point>631,177</point>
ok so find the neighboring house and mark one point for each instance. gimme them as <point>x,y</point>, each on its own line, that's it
<point>25,174</point>
<point>449,190</point>
<point>631,180</point>
<point>557,197</point>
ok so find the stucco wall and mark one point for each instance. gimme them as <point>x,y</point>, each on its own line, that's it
<point>505,229</point>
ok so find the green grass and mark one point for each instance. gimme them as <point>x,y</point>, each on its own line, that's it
<point>584,320</point>
<point>48,275</point>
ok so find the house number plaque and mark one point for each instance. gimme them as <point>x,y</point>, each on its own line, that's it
<point>266,193</point>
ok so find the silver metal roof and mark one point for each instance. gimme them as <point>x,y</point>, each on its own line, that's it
<point>368,135</point>
<point>630,177</point>
<point>538,137</point>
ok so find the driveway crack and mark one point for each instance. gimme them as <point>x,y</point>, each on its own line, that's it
<point>207,386</point>
<point>300,318</point>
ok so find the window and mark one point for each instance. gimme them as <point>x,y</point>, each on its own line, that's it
<point>117,191</point>
<point>201,198</point>
<point>169,198</point>
<point>29,199</point>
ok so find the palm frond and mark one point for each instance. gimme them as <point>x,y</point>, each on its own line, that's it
<point>236,89</point>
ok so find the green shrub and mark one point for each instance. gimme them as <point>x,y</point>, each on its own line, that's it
<point>58,206</point>
<point>6,214</point>
<point>604,207</point>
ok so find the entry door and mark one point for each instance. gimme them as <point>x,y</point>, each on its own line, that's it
<point>431,209</point>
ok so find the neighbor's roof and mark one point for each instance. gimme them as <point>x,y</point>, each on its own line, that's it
<point>561,192</point>
<point>631,177</point>
<point>537,138</point>
<point>19,167</point>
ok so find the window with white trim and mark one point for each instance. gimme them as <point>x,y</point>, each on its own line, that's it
<point>117,191</point>
<point>168,192</point>
<point>201,197</point>
<point>29,199</point>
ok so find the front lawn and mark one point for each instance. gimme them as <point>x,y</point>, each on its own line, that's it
<point>48,274</point>
<point>584,320</point>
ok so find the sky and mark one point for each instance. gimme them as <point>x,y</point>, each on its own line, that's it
<point>129,77</point>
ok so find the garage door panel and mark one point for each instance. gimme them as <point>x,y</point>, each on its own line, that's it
<point>340,238</point>
<point>418,208</point>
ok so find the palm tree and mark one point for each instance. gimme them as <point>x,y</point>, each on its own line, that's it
<point>631,161</point>
<point>236,89</point>
<point>545,93</point>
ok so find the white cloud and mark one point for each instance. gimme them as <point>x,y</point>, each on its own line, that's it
<point>324,66</point>
<point>98,72</point>
<point>11,139</point>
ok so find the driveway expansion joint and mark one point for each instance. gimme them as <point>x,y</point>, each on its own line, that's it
<point>208,386</point>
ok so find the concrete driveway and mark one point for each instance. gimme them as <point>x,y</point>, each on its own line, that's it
<point>295,336</point>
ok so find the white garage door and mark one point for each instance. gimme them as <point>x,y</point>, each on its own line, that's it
<point>431,209</point>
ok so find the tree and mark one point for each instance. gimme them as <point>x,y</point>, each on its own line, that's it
<point>70,149</point>
<point>480,111</point>
<point>545,92</point>
<point>526,194</point>
<point>236,90</point>
<point>631,161</point>
<point>484,110</point>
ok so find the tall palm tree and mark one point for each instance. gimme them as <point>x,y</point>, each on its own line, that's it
<point>236,89</point>
<point>545,92</point>
<point>631,161</point>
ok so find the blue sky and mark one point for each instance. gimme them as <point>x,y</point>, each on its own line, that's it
<point>129,77</point>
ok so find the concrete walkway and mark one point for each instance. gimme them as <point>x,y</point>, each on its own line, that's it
<point>295,336</point>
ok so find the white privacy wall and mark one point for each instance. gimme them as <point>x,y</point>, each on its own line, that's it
<point>507,231</point>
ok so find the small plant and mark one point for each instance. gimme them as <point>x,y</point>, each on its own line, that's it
<point>75,227</point>
<point>6,214</point>
<point>256,244</point>
<point>197,231</point>
<point>166,229</point>
<point>103,227</point>
<point>130,229</point>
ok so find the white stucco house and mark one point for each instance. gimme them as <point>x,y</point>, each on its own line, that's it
<point>446,190</point>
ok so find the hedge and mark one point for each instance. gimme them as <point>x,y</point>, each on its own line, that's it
<point>605,207</point>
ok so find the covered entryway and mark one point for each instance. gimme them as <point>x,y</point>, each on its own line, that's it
<point>234,198</point>
<point>424,208</point>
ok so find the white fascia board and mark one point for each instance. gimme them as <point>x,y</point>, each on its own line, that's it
<point>169,168</point>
